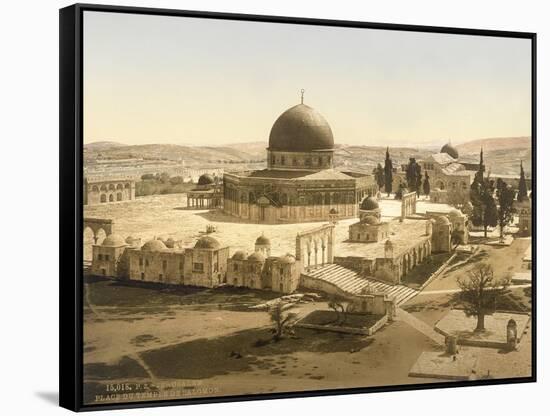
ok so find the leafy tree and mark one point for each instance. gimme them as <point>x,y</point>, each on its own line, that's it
<point>147,177</point>
<point>379,176</point>
<point>388,172</point>
<point>413,174</point>
<point>522,193</point>
<point>176,180</point>
<point>426,184</point>
<point>505,211</point>
<point>280,320</point>
<point>480,291</point>
<point>484,211</point>
<point>164,177</point>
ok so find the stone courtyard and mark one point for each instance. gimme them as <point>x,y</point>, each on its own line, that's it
<point>167,216</point>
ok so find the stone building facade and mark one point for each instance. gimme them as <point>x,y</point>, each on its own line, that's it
<point>369,230</point>
<point>450,179</point>
<point>100,190</point>
<point>525,216</point>
<point>260,270</point>
<point>300,183</point>
<point>207,264</point>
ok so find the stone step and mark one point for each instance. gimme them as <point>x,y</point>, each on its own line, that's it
<point>349,281</point>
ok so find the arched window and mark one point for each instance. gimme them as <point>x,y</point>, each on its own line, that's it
<point>103,198</point>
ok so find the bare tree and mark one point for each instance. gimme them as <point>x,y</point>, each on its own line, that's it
<point>281,320</point>
<point>480,291</point>
<point>338,309</point>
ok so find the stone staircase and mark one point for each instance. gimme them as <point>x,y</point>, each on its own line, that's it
<point>349,281</point>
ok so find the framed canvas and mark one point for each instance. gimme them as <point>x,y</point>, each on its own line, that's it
<point>256,207</point>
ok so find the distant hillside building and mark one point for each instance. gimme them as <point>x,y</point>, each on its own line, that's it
<point>300,183</point>
<point>450,179</point>
<point>105,189</point>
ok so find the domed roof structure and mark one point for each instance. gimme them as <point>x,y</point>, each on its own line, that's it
<point>263,241</point>
<point>207,243</point>
<point>301,129</point>
<point>370,219</point>
<point>205,179</point>
<point>287,259</point>
<point>369,204</point>
<point>153,245</point>
<point>129,239</point>
<point>113,240</point>
<point>333,211</point>
<point>170,242</point>
<point>455,213</point>
<point>239,255</point>
<point>256,256</point>
<point>442,220</point>
<point>450,150</point>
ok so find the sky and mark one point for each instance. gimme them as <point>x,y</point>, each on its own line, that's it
<point>167,79</point>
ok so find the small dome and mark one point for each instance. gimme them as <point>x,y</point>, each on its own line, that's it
<point>256,256</point>
<point>153,245</point>
<point>333,211</point>
<point>370,219</point>
<point>205,179</point>
<point>287,259</point>
<point>170,242</point>
<point>207,242</point>
<point>129,239</point>
<point>263,241</point>
<point>239,255</point>
<point>442,220</point>
<point>301,129</point>
<point>113,240</point>
<point>450,150</point>
<point>369,204</point>
<point>454,213</point>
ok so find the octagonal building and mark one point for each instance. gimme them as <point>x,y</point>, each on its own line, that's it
<point>300,183</point>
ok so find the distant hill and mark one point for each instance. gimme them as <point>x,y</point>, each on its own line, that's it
<point>102,145</point>
<point>192,155</point>
<point>502,155</point>
<point>499,143</point>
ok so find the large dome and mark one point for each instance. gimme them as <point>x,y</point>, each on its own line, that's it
<point>450,150</point>
<point>301,129</point>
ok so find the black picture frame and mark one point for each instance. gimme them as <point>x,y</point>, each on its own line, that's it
<point>71,202</point>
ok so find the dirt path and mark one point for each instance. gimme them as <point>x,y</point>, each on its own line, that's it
<point>420,326</point>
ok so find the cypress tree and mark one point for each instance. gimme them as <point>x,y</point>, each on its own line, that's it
<point>522,193</point>
<point>388,172</point>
